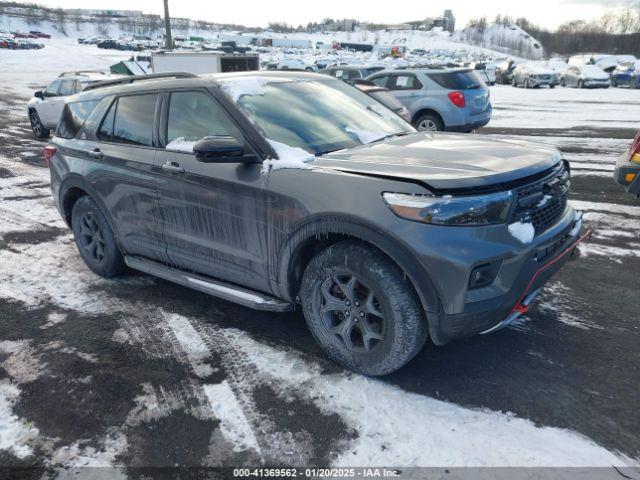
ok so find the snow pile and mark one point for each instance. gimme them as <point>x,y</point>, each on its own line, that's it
<point>239,87</point>
<point>407,429</point>
<point>509,39</point>
<point>522,231</point>
<point>288,157</point>
<point>182,145</point>
<point>14,433</point>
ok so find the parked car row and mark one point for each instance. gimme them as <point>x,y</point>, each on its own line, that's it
<point>19,44</point>
<point>33,34</point>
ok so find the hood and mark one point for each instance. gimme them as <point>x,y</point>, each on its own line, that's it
<point>446,161</point>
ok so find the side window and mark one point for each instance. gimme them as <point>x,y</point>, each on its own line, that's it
<point>352,75</point>
<point>133,124</point>
<point>381,81</point>
<point>193,116</point>
<point>52,90</point>
<point>67,87</point>
<point>405,82</point>
<point>73,117</point>
<point>105,132</point>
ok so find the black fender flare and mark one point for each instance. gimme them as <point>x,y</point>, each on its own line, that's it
<point>74,180</point>
<point>393,247</point>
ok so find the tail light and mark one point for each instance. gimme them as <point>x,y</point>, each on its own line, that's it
<point>49,152</point>
<point>457,98</point>
<point>634,153</point>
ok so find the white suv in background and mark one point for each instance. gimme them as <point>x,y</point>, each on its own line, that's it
<point>45,107</point>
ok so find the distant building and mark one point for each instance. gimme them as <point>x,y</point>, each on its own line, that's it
<point>447,22</point>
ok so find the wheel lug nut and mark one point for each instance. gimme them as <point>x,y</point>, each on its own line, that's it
<point>347,313</point>
<point>362,314</point>
<point>348,303</point>
<point>357,304</point>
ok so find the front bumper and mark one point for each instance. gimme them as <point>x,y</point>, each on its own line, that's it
<point>597,83</point>
<point>624,171</point>
<point>488,315</point>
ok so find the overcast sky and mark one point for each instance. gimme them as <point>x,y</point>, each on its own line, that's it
<point>548,13</point>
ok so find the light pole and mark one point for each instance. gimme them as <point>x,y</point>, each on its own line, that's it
<point>168,43</point>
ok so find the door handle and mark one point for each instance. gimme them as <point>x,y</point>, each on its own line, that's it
<point>96,153</point>
<point>173,167</point>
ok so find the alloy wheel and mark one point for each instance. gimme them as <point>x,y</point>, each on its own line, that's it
<point>427,125</point>
<point>35,123</point>
<point>352,314</point>
<point>92,238</point>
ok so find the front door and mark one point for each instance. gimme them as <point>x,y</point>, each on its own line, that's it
<point>214,213</point>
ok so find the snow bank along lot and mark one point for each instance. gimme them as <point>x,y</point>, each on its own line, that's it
<point>139,372</point>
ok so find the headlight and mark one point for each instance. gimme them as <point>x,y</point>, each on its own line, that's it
<point>474,210</point>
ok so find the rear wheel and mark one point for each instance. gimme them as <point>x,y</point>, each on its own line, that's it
<point>39,130</point>
<point>361,309</point>
<point>580,84</point>
<point>95,240</point>
<point>429,122</point>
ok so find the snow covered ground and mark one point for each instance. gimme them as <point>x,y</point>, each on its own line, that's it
<point>138,372</point>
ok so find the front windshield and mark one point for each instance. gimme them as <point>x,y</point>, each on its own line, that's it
<point>318,116</point>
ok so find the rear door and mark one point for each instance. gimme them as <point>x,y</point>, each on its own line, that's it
<point>214,213</point>
<point>120,170</point>
<point>407,88</point>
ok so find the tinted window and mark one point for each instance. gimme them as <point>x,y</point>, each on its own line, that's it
<point>52,90</point>
<point>133,124</point>
<point>106,129</point>
<point>456,80</point>
<point>405,82</point>
<point>381,81</point>
<point>371,71</point>
<point>67,87</point>
<point>193,116</point>
<point>73,117</point>
<point>351,74</point>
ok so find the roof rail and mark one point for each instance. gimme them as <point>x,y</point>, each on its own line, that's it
<point>137,78</point>
<point>80,72</point>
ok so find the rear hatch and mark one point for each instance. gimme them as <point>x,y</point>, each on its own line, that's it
<point>476,93</point>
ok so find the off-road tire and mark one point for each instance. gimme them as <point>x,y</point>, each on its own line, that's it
<point>405,330</point>
<point>95,240</point>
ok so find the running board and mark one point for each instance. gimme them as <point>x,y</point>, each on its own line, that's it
<point>225,291</point>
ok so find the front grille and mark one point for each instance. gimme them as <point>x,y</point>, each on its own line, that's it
<point>542,202</point>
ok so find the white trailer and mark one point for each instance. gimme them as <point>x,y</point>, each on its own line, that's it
<point>200,63</point>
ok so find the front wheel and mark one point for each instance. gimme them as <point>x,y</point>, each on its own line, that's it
<point>429,123</point>
<point>95,239</point>
<point>39,130</point>
<point>361,309</point>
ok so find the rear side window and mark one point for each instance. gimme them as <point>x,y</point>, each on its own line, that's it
<point>73,117</point>
<point>105,132</point>
<point>456,80</point>
<point>133,124</point>
<point>405,82</point>
<point>381,81</point>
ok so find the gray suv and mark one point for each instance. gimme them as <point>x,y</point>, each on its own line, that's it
<point>385,236</point>
<point>439,98</point>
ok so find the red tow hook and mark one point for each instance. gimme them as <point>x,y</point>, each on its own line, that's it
<point>521,307</point>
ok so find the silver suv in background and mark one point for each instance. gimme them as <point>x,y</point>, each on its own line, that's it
<point>45,107</point>
<point>439,98</point>
<point>532,75</point>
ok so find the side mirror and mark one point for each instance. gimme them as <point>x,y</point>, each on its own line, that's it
<point>39,95</point>
<point>220,149</point>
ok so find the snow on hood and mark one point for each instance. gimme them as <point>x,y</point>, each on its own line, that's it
<point>239,87</point>
<point>288,157</point>
<point>538,69</point>
<point>594,71</point>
